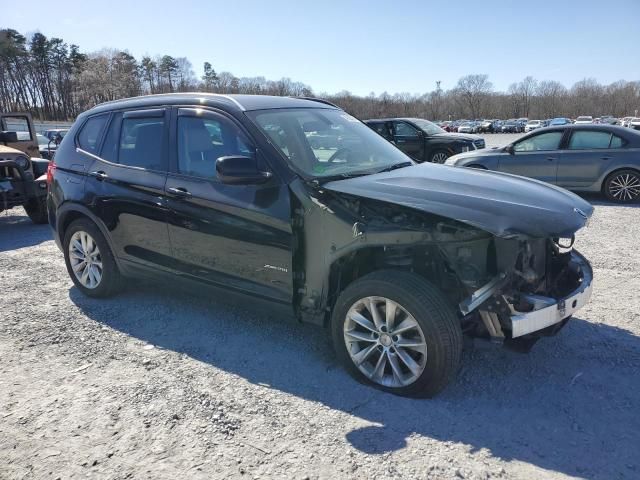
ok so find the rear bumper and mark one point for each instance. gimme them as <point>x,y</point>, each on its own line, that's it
<point>550,311</point>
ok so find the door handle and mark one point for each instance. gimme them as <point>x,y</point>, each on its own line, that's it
<point>180,192</point>
<point>99,175</point>
<point>551,159</point>
<point>605,158</point>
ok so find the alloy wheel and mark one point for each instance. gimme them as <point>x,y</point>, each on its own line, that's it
<point>385,342</point>
<point>85,259</point>
<point>625,187</point>
<point>439,157</point>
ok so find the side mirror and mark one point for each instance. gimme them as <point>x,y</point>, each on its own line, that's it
<point>240,170</point>
<point>8,137</point>
<point>509,149</point>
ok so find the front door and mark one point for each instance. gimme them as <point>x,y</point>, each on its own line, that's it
<point>235,236</point>
<point>22,124</point>
<point>409,139</point>
<point>125,184</point>
<point>536,156</point>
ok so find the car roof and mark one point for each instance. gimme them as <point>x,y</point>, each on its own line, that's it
<point>233,102</point>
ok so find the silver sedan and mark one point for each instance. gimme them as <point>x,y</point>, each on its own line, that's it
<point>583,158</point>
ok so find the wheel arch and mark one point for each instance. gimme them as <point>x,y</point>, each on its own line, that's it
<point>618,168</point>
<point>347,269</point>
<point>70,212</point>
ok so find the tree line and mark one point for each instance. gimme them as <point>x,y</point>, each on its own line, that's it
<point>56,81</point>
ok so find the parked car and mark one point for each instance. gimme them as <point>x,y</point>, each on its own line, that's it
<point>634,123</point>
<point>559,121</point>
<point>422,140</point>
<point>46,146</point>
<point>22,172</point>
<point>583,120</point>
<point>586,158</point>
<point>55,132</point>
<point>512,126</point>
<point>469,127</point>
<point>395,259</point>
<point>533,125</point>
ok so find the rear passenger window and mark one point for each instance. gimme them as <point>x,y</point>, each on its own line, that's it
<point>381,129</point>
<point>91,133</point>
<point>589,139</point>
<point>202,140</point>
<point>141,142</point>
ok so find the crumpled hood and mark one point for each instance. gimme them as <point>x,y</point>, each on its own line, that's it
<point>499,203</point>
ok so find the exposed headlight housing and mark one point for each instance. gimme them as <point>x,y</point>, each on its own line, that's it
<point>22,162</point>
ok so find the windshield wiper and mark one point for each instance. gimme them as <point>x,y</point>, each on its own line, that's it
<point>395,166</point>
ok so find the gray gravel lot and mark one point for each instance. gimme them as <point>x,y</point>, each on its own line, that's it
<point>164,383</point>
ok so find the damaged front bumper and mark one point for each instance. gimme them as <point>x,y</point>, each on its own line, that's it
<point>549,311</point>
<point>503,319</point>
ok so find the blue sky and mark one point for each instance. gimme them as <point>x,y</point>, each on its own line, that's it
<point>360,46</point>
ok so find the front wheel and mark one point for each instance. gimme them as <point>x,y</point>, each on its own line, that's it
<point>396,331</point>
<point>623,186</point>
<point>37,210</point>
<point>439,156</point>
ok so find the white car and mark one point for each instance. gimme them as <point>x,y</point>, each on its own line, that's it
<point>584,119</point>
<point>469,127</point>
<point>634,123</point>
<point>532,125</point>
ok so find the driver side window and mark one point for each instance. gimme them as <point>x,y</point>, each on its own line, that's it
<point>541,142</point>
<point>202,140</point>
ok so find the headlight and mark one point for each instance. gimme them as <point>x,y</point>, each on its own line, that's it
<point>22,162</point>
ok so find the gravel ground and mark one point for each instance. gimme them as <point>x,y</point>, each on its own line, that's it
<point>161,383</point>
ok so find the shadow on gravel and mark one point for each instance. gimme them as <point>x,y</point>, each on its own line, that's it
<point>18,231</point>
<point>570,406</point>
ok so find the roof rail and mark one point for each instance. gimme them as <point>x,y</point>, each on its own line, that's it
<point>319,100</point>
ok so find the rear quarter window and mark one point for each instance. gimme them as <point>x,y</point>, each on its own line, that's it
<point>88,138</point>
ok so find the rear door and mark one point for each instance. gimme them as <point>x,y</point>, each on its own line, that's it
<point>235,236</point>
<point>409,139</point>
<point>125,185</point>
<point>536,156</point>
<point>588,156</point>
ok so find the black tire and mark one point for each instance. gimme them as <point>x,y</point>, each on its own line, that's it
<point>428,306</point>
<point>37,210</point>
<point>439,153</point>
<point>111,279</point>
<point>615,194</point>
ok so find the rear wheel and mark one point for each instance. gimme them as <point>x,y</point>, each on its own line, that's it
<point>396,331</point>
<point>37,210</point>
<point>623,186</point>
<point>89,260</point>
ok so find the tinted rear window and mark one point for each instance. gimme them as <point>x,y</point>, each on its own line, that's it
<point>91,133</point>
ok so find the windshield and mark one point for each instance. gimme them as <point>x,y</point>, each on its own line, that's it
<point>427,126</point>
<point>533,122</point>
<point>326,142</point>
<point>582,119</point>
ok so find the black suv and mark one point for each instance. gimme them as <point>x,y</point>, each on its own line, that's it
<point>423,140</point>
<point>398,260</point>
